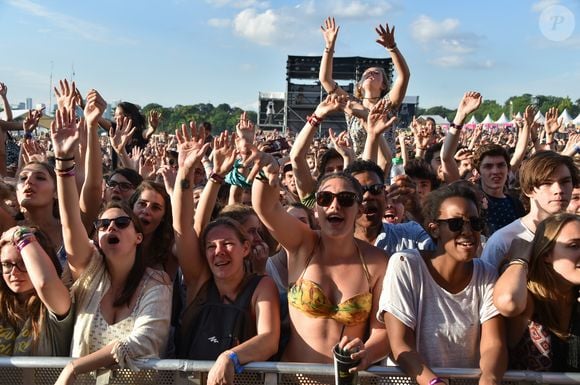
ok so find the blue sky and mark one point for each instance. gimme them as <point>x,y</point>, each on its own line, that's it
<point>226,51</point>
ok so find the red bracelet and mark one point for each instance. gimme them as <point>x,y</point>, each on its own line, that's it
<point>217,178</point>
<point>314,120</point>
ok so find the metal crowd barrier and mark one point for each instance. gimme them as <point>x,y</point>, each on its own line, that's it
<point>45,371</point>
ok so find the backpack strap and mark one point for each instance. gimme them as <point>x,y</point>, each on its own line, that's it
<point>244,298</point>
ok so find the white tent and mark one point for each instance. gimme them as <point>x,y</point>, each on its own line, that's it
<point>472,120</point>
<point>539,118</point>
<point>502,119</point>
<point>519,115</point>
<point>565,117</point>
<point>577,120</point>
<point>487,120</point>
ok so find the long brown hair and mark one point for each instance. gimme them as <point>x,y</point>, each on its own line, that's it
<point>12,311</point>
<point>543,280</point>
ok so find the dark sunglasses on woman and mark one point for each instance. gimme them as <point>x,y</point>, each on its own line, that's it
<point>104,223</point>
<point>456,224</point>
<point>345,198</point>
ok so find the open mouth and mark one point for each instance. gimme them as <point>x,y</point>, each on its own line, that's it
<point>145,222</point>
<point>334,218</point>
<point>222,263</point>
<point>112,239</point>
<point>467,244</point>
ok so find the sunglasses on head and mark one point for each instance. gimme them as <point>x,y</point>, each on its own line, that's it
<point>123,186</point>
<point>120,222</point>
<point>374,189</point>
<point>7,267</point>
<point>456,224</point>
<point>344,198</point>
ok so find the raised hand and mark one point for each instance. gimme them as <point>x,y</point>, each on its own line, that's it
<point>386,37</point>
<point>147,167</point>
<point>121,135</point>
<point>224,153</point>
<point>469,103</point>
<point>330,104</point>
<point>245,128</point>
<point>33,150</point>
<point>378,120</point>
<point>67,95</point>
<point>329,32</point>
<point>31,120</point>
<point>94,108</point>
<point>190,145</point>
<point>64,133</point>
<point>3,90</point>
<point>258,160</point>
<point>552,123</point>
<point>342,144</point>
<point>153,119</point>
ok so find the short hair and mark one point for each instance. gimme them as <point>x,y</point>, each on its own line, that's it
<point>539,168</point>
<point>431,150</point>
<point>360,166</point>
<point>490,149</point>
<point>326,157</point>
<point>419,169</point>
<point>459,189</point>
<point>129,174</point>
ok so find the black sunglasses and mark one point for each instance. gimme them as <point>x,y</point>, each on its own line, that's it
<point>120,222</point>
<point>456,224</point>
<point>374,189</point>
<point>123,186</point>
<point>7,267</point>
<point>345,198</point>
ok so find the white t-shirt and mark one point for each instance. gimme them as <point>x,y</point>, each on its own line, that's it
<point>499,243</point>
<point>447,326</point>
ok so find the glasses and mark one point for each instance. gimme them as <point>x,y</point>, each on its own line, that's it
<point>456,224</point>
<point>7,267</point>
<point>344,198</point>
<point>120,222</point>
<point>374,189</point>
<point>123,186</point>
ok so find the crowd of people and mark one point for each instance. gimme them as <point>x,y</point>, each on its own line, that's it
<point>217,245</point>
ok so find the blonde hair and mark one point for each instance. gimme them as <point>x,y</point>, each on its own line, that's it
<point>543,280</point>
<point>358,90</point>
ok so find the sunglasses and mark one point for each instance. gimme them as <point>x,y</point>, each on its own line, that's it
<point>344,198</point>
<point>120,222</point>
<point>456,224</point>
<point>7,267</point>
<point>374,189</point>
<point>123,186</point>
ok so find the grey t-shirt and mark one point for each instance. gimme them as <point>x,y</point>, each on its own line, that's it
<point>447,326</point>
<point>499,243</point>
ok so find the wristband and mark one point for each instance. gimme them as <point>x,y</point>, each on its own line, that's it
<point>20,233</point>
<point>238,368</point>
<point>64,159</point>
<point>217,178</point>
<point>314,120</point>
<point>518,261</point>
<point>28,135</point>
<point>453,128</point>
<point>328,50</point>
<point>23,242</point>
<point>65,169</point>
<point>391,49</point>
<point>437,380</point>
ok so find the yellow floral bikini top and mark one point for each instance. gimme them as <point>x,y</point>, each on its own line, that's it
<point>308,297</point>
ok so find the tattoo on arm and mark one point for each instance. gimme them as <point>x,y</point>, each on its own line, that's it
<point>184,183</point>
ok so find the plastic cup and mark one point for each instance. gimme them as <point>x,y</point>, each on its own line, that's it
<point>342,364</point>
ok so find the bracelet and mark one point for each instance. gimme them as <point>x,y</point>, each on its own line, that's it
<point>21,233</point>
<point>217,178</point>
<point>453,128</point>
<point>314,120</point>
<point>238,368</point>
<point>65,169</point>
<point>328,50</point>
<point>66,174</point>
<point>64,159</point>
<point>518,261</point>
<point>391,49</point>
<point>334,88</point>
<point>437,380</point>
<point>24,242</point>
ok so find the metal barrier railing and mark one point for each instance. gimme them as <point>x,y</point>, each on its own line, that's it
<point>45,370</point>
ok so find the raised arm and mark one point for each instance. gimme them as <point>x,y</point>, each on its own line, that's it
<point>330,33</point>
<point>119,136</point>
<point>305,183</point>
<point>523,138</point>
<point>377,123</point>
<point>224,156</point>
<point>65,136</point>
<point>468,104</point>
<point>91,194</point>
<point>191,149</point>
<point>5,104</point>
<point>52,292</point>
<point>387,39</point>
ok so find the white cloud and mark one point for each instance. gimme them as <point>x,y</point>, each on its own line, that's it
<point>543,4</point>
<point>445,39</point>
<point>219,23</point>
<point>78,27</point>
<point>359,9</point>
<point>260,28</point>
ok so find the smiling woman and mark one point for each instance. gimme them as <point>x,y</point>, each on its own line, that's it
<point>437,306</point>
